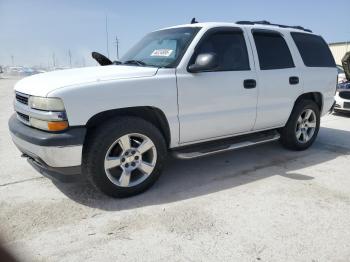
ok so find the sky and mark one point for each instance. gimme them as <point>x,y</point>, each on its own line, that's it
<point>43,32</point>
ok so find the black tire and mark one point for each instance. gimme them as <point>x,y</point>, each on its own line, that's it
<point>288,133</point>
<point>99,142</point>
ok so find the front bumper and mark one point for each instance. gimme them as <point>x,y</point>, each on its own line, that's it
<point>341,104</point>
<point>52,154</point>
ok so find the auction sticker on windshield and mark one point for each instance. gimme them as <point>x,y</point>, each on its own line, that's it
<point>162,52</point>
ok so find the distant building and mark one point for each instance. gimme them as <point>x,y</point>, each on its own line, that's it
<point>339,50</point>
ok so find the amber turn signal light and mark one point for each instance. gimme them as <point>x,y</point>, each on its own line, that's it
<point>57,125</point>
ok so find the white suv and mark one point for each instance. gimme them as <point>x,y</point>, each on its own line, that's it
<point>191,90</point>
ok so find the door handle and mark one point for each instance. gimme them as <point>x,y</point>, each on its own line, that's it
<point>294,80</point>
<point>249,83</point>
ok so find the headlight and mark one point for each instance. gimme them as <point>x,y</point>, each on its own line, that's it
<point>48,125</point>
<point>46,103</point>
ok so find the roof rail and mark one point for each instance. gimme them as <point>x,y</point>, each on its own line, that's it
<point>264,22</point>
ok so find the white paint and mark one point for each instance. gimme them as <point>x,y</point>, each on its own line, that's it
<point>198,107</point>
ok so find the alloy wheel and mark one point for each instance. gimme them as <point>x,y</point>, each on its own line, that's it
<point>306,126</point>
<point>130,160</point>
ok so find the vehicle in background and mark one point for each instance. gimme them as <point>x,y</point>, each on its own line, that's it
<point>341,74</point>
<point>342,96</point>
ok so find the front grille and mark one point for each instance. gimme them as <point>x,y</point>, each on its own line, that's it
<point>22,99</point>
<point>23,117</point>
<point>344,94</point>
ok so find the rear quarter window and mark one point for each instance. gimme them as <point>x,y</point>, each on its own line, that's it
<point>313,50</point>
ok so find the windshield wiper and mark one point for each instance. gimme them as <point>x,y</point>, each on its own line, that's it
<point>134,62</point>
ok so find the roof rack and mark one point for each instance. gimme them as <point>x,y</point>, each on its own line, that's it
<point>268,23</point>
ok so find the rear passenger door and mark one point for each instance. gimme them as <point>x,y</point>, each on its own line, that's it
<point>279,81</point>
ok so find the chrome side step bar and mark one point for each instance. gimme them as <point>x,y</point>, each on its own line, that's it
<point>212,148</point>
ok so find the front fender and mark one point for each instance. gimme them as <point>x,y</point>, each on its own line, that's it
<point>159,91</point>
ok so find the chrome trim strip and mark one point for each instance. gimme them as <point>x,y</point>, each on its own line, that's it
<point>53,156</point>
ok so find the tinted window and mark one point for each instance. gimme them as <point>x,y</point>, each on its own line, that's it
<point>163,48</point>
<point>273,51</point>
<point>313,50</point>
<point>230,48</point>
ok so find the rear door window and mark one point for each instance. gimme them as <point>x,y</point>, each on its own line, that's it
<point>313,50</point>
<point>273,51</point>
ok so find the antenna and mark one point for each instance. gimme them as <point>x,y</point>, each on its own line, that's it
<point>107,37</point>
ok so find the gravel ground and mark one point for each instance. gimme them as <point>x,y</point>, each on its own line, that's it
<point>257,204</point>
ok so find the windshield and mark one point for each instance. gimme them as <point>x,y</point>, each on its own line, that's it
<point>163,48</point>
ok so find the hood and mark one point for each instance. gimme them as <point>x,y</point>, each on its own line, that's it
<point>42,84</point>
<point>346,65</point>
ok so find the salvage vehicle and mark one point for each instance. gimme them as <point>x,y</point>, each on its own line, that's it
<point>341,74</point>
<point>342,96</point>
<point>190,90</point>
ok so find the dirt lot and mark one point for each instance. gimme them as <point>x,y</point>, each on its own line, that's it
<point>257,204</point>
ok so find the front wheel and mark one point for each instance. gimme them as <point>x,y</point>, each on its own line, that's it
<point>124,157</point>
<point>302,127</point>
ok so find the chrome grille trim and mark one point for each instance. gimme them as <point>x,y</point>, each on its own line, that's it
<point>23,118</point>
<point>22,98</point>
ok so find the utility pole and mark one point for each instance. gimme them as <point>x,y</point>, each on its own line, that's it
<point>117,45</point>
<point>70,58</point>
<point>13,60</point>
<point>107,37</point>
<point>53,60</point>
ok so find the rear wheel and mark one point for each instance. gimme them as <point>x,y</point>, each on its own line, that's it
<point>124,157</point>
<point>302,127</point>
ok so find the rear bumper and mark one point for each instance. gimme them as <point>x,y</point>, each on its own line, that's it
<point>50,153</point>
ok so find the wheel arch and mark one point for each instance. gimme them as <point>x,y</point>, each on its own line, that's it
<point>151,114</point>
<point>317,97</point>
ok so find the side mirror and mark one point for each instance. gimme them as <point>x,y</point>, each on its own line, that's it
<point>204,62</point>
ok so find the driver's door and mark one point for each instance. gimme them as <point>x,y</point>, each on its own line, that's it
<point>220,102</point>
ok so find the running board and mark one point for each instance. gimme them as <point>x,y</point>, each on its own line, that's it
<point>234,143</point>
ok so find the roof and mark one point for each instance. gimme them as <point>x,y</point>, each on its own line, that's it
<point>251,25</point>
